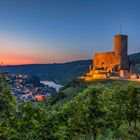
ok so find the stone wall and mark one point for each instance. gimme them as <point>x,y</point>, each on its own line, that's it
<point>104,60</point>
<point>117,59</point>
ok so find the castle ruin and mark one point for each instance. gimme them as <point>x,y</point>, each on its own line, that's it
<point>112,64</point>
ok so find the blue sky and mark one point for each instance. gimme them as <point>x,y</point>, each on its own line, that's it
<point>48,31</point>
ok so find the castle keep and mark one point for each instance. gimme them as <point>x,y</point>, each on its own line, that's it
<point>112,64</point>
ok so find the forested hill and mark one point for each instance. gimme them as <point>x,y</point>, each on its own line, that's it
<point>60,73</point>
<point>135,57</point>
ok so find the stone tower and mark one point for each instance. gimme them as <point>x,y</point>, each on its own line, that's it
<point>120,50</point>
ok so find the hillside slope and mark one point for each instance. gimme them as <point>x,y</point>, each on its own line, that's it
<point>60,73</point>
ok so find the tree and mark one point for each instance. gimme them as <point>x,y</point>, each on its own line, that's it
<point>8,108</point>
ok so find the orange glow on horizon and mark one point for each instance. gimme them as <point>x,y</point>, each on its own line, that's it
<point>15,61</point>
<point>16,51</point>
<point>21,61</point>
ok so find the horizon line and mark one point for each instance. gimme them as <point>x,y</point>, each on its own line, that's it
<point>45,63</point>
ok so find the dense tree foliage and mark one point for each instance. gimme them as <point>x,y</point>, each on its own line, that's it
<point>96,112</point>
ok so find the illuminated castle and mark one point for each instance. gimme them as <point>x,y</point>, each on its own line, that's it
<point>112,64</point>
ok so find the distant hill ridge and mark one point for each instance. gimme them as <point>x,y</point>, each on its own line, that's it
<point>135,57</point>
<point>61,73</point>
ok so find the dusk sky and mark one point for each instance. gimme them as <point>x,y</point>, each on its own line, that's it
<point>54,31</point>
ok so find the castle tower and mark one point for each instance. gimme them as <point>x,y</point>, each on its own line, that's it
<point>120,50</point>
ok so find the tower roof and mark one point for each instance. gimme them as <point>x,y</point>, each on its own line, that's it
<point>120,35</point>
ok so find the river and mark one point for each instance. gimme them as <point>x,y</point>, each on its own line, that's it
<point>52,84</point>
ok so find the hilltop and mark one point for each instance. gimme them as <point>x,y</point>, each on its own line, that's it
<point>98,109</point>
